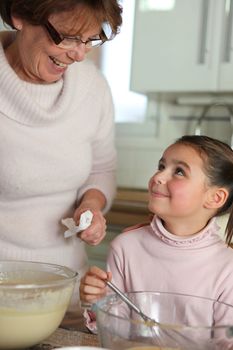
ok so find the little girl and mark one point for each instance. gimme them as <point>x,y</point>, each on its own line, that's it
<point>180,250</point>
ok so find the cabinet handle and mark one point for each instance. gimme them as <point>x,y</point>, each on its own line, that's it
<point>203,32</point>
<point>228,31</point>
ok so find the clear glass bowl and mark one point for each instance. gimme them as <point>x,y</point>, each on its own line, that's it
<point>33,300</point>
<point>186,322</point>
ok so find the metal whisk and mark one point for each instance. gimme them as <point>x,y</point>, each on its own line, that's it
<point>131,304</point>
<point>166,331</point>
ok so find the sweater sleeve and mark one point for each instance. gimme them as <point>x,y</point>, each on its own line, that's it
<point>115,265</point>
<point>102,175</point>
<point>223,313</point>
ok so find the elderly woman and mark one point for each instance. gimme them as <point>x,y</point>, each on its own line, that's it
<point>56,127</point>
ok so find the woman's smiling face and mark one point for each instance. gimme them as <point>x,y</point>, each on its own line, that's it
<point>34,56</point>
<point>180,186</point>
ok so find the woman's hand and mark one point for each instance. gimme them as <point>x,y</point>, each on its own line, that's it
<point>94,234</point>
<point>94,201</point>
<point>93,284</point>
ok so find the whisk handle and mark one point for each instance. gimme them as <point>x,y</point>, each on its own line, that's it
<point>126,299</point>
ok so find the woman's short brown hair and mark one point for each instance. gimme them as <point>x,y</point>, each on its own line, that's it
<point>37,12</point>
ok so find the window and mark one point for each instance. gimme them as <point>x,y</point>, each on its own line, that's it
<point>159,5</point>
<point>115,64</point>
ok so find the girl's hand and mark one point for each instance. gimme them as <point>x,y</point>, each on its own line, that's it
<point>94,234</point>
<point>92,285</point>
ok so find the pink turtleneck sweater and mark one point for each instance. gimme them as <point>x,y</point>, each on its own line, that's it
<point>152,259</point>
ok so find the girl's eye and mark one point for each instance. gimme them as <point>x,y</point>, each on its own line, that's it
<point>161,167</point>
<point>179,171</point>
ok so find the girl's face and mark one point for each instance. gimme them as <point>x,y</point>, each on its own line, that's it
<point>36,58</point>
<point>179,188</point>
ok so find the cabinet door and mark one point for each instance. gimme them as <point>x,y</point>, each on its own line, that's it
<point>226,56</point>
<point>172,50</point>
<point>1,25</point>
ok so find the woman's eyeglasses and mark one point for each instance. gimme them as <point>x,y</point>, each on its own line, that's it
<point>70,42</point>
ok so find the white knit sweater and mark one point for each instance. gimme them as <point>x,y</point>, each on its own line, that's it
<point>56,141</point>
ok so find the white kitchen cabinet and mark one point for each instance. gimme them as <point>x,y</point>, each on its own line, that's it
<point>1,25</point>
<point>188,48</point>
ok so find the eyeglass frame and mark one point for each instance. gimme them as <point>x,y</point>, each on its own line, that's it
<point>57,37</point>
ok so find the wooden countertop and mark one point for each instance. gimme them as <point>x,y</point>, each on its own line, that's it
<point>64,337</point>
<point>130,207</point>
